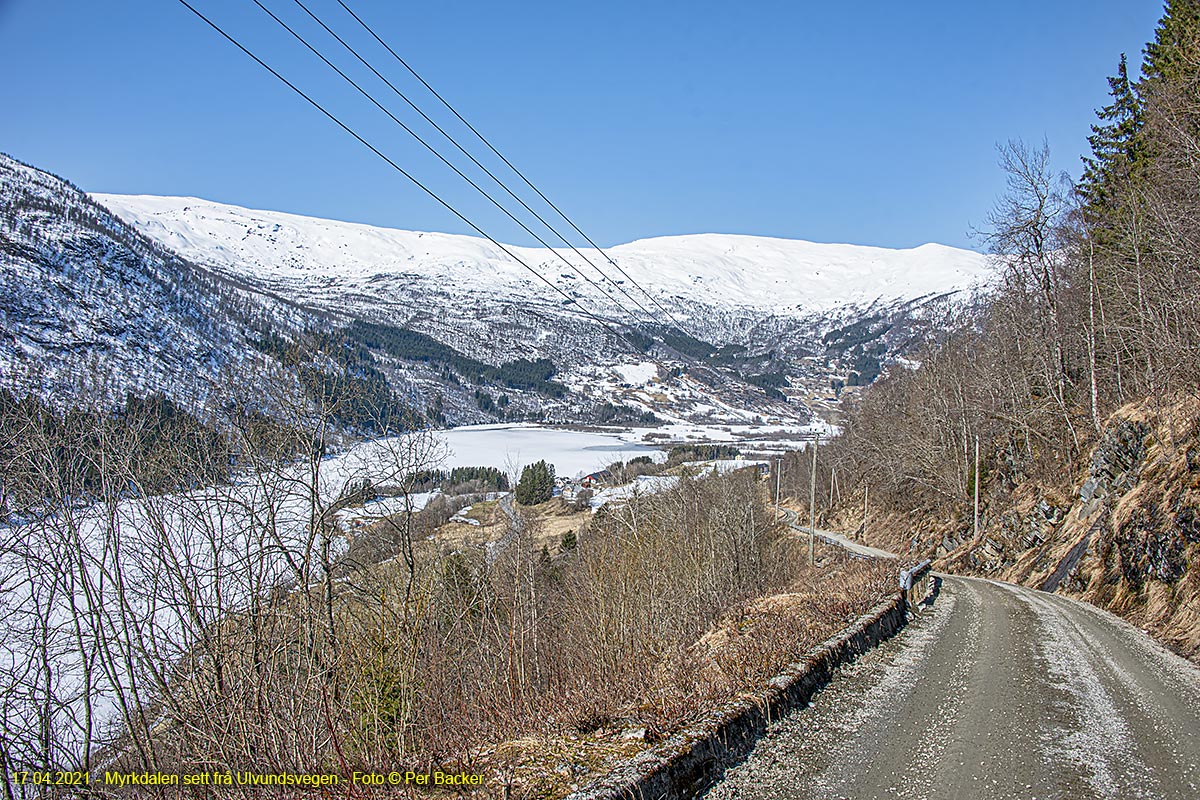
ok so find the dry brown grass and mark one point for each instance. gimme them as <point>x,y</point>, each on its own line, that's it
<point>747,646</point>
<point>551,520</point>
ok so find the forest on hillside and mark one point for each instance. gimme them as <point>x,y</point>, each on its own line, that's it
<point>1081,363</point>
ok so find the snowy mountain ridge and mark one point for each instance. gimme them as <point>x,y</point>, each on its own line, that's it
<point>105,295</point>
<point>321,257</point>
<point>90,310</point>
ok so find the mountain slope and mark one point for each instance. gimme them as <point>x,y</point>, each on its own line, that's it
<point>795,316</point>
<point>90,309</point>
<point>176,294</point>
<point>322,257</point>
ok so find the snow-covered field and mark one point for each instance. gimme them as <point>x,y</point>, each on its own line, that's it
<point>689,410</point>
<point>638,374</point>
<point>384,507</point>
<point>653,484</point>
<point>767,436</point>
<point>643,485</point>
<point>574,453</point>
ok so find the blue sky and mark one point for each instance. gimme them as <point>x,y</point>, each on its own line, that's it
<point>870,122</point>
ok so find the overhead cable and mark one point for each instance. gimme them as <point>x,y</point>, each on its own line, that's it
<point>509,164</point>
<point>415,181</point>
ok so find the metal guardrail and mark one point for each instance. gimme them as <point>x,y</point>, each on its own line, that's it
<point>830,540</point>
<point>916,584</point>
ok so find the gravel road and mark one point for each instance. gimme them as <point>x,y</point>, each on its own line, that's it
<point>997,691</point>
<point>792,519</point>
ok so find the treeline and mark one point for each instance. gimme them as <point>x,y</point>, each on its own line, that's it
<point>770,383</point>
<point>474,478</point>
<point>704,353</point>
<point>536,484</point>
<point>411,345</point>
<point>607,413</point>
<point>702,452</point>
<point>686,344</point>
<point>860,347</point>
<point>700,350</point>
<point>1097,305</point>
<point>341,374</point>
<point>45,453</point>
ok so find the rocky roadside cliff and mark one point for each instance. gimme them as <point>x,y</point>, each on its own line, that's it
<point>1127,537</point>
<point>1122,532</point>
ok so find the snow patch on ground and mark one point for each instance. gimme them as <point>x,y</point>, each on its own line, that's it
<point>644,485</point>
<point>637,374</point>
<point>382,507</point>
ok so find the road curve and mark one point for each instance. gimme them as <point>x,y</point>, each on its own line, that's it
<point>997,691</point>
<point>792,520</point>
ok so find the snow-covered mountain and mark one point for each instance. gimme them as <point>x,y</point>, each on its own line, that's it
<point>342,261</point>
<point>107,294</point>
<point>91,310</point>
<point>759,296</point>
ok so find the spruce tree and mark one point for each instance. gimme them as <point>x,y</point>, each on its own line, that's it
<point>1176,42</point>
<point>1118,151</point>
<point>536,484</point>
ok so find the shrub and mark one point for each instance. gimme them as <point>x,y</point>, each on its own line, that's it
<point>583,500</point>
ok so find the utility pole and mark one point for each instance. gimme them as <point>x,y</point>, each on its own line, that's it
<point>778,473</point>
<point>977,486</point>
<point>866,493</point>
<point>812,505</point>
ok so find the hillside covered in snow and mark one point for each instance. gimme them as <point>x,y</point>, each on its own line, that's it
<point>107,295</point>
<point>91,310</point>
<point>795,318</point>
<point>327,259</point>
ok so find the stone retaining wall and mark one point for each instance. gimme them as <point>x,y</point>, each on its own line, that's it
<point>690,761</point>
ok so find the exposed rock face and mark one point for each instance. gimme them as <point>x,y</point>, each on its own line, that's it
<point>1115,461</point>
<point>1128,539</point>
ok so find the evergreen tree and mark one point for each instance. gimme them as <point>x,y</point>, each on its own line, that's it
<point>1118,150</point>
<point>1176,42</point>
<point>536,484</point>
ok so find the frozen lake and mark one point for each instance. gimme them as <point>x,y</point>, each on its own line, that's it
<point>572,453</point>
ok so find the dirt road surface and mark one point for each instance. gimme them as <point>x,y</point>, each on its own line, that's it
<point>996,691</point>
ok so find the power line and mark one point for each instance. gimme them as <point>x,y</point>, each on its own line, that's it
<point>449,137</point>
<point>510,165</point>
<point>682,355</point>
<point>466,178</point>
<point>431,149</point>
<point>333,118</point>
<point>505,249</point>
